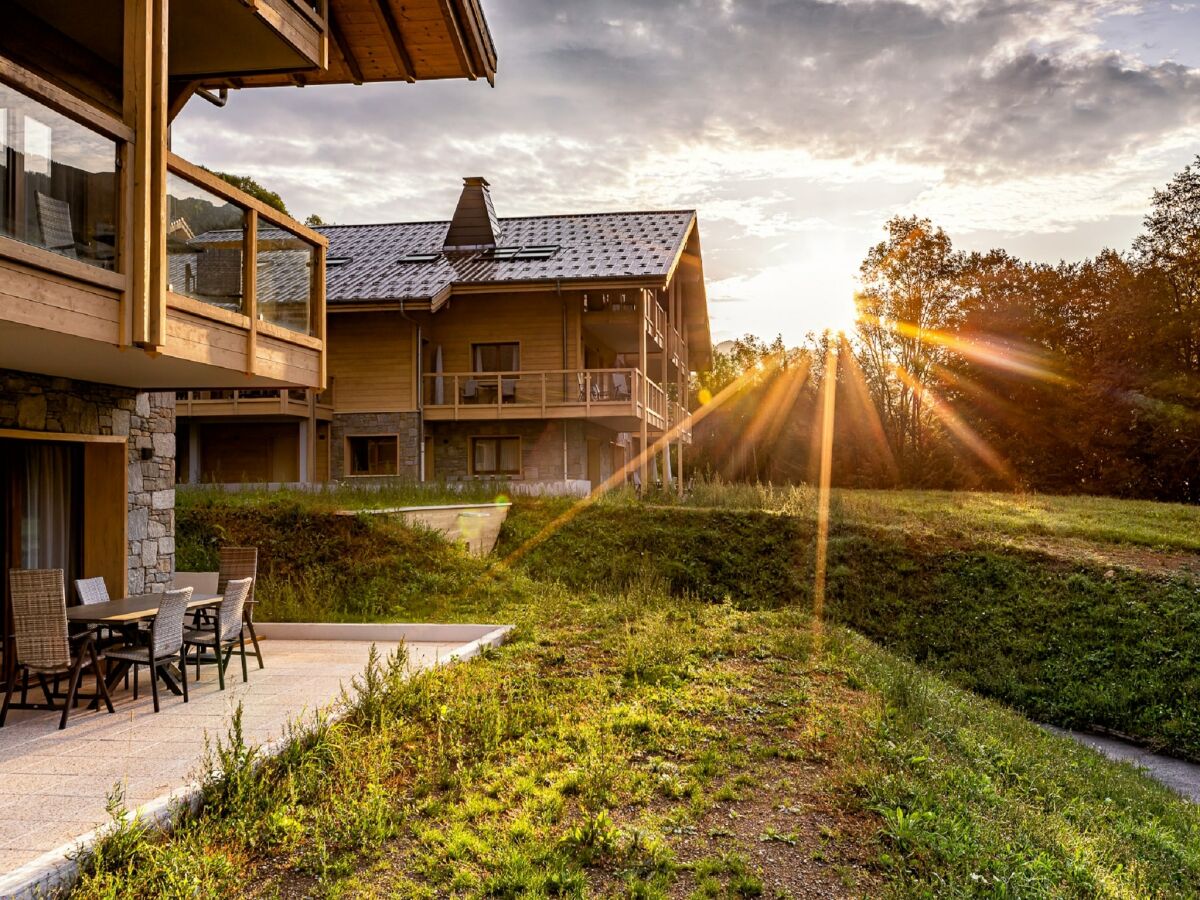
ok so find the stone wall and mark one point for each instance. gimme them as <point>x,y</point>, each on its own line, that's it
<point>406,425</point>
<point>541,447</point>
<point>60,405</point>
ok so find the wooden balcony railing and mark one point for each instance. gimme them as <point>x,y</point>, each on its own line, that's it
<point>553,393</point>
<point>293,402</point>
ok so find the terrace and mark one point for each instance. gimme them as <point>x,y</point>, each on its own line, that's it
<point>54,785</point>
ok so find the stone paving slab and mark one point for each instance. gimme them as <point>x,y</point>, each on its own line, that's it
<point>54,784</point>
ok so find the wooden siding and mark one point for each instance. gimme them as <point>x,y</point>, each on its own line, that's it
<point>42,300</point>
<point>371,362</point>
<point>249,451</point>
<point>534,320</point>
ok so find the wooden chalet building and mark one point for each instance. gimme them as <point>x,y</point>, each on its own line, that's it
<point>109,303</point>
<point>546,350</point>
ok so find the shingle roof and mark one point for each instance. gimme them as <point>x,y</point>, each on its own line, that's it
<point>601,246</point>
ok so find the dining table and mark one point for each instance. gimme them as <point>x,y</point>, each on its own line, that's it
<point>126,615</point>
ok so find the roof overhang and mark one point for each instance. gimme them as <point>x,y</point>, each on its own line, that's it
<point>389,40</point>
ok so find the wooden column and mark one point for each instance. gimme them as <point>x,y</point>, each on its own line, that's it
<point>145,111</point>
<point>318,313</point>
<point>250,288</point>
<point>643,455</point>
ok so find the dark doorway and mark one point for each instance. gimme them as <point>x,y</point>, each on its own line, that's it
<point>41,513</point>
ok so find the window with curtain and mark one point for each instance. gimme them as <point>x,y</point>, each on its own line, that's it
<point>496,456</point>
<point>504,357</point>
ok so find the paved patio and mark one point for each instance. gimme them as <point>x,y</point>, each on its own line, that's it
<point>54,784</point>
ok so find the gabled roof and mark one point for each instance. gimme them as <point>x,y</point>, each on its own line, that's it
<point>601,246</point>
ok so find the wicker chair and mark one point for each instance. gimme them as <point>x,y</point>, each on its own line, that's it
<point>227,633</point>
<point>165,647</point>
<point>43,643</point>
<point>91,591</point>
<point>241,562</point>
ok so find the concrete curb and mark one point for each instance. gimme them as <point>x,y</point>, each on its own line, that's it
<point>54,872</point>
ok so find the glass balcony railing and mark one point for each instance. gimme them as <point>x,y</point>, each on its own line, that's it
<point>58,182</point>
<point>211,229</point>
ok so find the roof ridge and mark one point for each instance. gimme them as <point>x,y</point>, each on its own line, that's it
<point>591,215</point>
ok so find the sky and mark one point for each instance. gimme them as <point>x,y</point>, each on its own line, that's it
<point>795,128</point>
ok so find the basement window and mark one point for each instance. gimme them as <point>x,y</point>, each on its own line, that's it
<point>373,454</point>
<point>495,456</point>
<point>419,258</point>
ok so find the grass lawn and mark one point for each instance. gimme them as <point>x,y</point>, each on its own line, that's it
<point>665,723</point>
<point>642,744</point>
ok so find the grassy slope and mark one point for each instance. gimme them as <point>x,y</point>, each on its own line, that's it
<point>1070,642</point>
<point>645,745</point>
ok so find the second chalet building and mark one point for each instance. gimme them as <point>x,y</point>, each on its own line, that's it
<point>547,350</point>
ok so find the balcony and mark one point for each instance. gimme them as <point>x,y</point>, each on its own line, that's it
<point>613,395</point>
<point>239,308</point>
<point>613,317</point>
<point>289,403</point>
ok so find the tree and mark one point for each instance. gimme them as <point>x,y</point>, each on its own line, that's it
<point>910,293</point>
<point>254,189</point>
<point>312,220</point>
<point>1171,244</point>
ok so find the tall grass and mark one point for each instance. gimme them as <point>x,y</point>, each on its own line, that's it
<point>362,494</point>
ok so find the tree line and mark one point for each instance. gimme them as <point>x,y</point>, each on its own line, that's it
<point>982,370</point>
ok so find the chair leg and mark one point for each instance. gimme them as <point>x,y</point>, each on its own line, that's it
<point>12,684</point>
<point>222,661</point>
<point>254,641</point>
<point>24,686</point>
<point>183,673</point>
<point>101,684</point>
<point>70,701</point>
<point>154,681</point>
<point>134,669</point>
<point>44,685</point>
<point>242,645</point>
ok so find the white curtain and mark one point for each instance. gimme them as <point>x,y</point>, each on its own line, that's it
<point>47,526</point>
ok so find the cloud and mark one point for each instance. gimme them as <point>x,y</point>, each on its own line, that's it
<point>787,123</point>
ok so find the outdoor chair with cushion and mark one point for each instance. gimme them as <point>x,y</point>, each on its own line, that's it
<point>165,647</point>
<point>43,643</point>
<point>226,634</point>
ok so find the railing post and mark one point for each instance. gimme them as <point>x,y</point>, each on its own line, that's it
<point>587,392</point>
<point>455,387</point>
<point>250,286</point>
<point>543,393</point>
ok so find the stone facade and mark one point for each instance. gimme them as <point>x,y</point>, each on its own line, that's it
<point>60,405</point>
<point>542,456</point>
<point>407,425</point>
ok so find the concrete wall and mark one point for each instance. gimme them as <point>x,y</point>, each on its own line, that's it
<point>38,403</point>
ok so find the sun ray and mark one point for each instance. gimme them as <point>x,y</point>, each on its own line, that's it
<point>964,433</point>
<point>824,485</point>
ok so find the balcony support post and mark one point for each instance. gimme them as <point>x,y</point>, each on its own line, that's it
<point>250,289</point>
<point>145,112</point>
<point>644,393</point>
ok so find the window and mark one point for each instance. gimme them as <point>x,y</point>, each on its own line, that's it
<point>420,258</point>
<point>496,357</point>
<point>373,455</point>
<point>496,456</point>
<point>58,182</point>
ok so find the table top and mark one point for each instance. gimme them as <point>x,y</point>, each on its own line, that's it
<point>132,609</point>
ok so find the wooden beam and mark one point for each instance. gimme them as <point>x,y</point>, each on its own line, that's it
<point>395,40</point>
<point>178,94</point>
<point>145,112</point>
<point>318,313</point>
<point>250,288</point>
<point>343,46</point>
<point>454,29</point>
